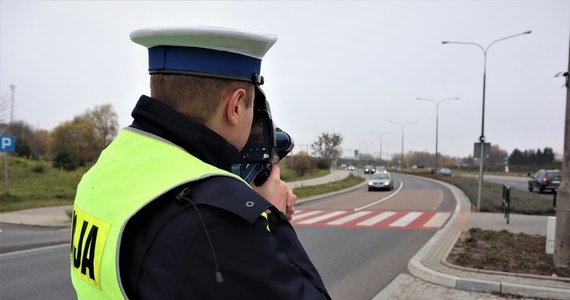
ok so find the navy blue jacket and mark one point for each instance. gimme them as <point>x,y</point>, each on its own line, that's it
<point>207,240</point>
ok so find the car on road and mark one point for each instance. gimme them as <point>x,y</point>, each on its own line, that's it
<point>381,181</point>
<point>369,169</point>
<point>350,167</point>
<point>545,180</point>
<point>445,172</point>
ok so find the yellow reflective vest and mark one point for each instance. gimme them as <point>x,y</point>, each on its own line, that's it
<point>135,169</point>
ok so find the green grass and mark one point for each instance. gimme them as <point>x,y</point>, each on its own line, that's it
<point>289,174</point>
<point>308,191</point>
<point>522,202</point>
<point>34,184</point>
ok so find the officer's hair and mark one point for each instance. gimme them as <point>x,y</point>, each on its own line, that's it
<point>196,97</point>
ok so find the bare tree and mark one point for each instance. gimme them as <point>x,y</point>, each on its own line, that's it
<point>4,110</point>
<point>104,122</point>
<point>327,146</point>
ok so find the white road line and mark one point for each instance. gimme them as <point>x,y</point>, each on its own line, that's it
<point>323,217</point>
<point>349,218</point>
<point>64,245</point>
<point>406,219</point>
<point>437,220</point>
<point>376,219</point>
<point>383,199</point>
<point>298,216</point>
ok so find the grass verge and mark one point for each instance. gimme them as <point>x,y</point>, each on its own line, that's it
<point>309,191</point>
<point>522,202</point>
<point>33,184</point>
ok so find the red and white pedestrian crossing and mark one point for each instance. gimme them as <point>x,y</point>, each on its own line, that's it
<point>429,220</point>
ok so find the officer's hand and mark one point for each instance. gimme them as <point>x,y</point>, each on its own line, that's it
<point>291,199</point>
<point>276,191</point>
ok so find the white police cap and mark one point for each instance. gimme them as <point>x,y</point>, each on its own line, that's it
<point>205,51</point>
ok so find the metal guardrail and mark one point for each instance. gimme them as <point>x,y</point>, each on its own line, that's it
<point>506,201</point>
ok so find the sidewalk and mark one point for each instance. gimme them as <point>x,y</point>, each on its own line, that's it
<point>431,276</point>
<point>335,175</point>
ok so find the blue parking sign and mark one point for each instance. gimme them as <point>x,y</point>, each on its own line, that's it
<point>8,143</point>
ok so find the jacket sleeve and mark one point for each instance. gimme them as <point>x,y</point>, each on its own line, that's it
<point>287,239</point>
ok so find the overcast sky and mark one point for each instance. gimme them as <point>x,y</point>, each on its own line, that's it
<point>344,67</point>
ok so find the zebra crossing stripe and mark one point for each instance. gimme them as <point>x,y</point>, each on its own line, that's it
<point>406,219</point>
<point>323,217</point>
<point>437,220</point>
<point>372,219</point>
<point>349,218</point>
<point>377,219</point>
<point>302,214</point>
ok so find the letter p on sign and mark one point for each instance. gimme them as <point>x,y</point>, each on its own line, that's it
<point>8,143</point>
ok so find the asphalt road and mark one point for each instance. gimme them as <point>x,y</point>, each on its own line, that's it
<point>41,273</point>
<point>357,263</point>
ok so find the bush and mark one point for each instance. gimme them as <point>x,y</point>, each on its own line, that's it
<point>322,163</point>
<point>39,168</point>
<point>67,160</point>
<point>300,164</point>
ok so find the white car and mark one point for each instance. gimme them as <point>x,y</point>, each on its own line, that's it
<point>381,181</point>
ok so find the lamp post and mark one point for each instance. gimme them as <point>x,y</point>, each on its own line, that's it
<point>437,122</point>
<point>381,135</point>
<point>403,126</point>
<point>482,137</point>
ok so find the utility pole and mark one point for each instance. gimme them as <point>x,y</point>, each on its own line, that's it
<point>562,235</point>
<point>13,87</point>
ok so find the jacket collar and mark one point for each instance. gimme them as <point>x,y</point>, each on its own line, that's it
<point>159,119</point>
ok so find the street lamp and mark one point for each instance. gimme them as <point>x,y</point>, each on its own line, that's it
<point>381,135</point>
<point>482,137</point>
<point>403,126</point>
<point>437,121</point>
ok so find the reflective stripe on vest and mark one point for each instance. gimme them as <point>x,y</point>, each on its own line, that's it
<point>135,169</point>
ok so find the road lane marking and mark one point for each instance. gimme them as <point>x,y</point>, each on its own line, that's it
<point>323,217</point>
<point>377,218</point>
<point>349,218</point>
<point>302,214</point>
<point>422,220</point>
<point>406,219</point>
<point>437,220</point>
<point>383,199</point>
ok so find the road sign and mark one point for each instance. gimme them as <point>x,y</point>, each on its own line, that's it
<point>8,143</point>
<point>477,150</point>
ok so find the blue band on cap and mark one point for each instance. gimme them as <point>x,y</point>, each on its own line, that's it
<point>202,61</point>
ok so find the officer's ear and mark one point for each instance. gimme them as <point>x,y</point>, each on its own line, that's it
<point>236,105</point>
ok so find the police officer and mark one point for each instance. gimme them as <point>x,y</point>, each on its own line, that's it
<point>160,215</point>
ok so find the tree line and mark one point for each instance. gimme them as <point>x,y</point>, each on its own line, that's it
<point>72,143</point>
<point>327,149</point>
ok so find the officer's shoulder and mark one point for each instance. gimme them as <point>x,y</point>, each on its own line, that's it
<point>229,194</point>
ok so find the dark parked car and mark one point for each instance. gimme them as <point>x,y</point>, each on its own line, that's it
<point>381,181</point>
<point>545,180</point>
